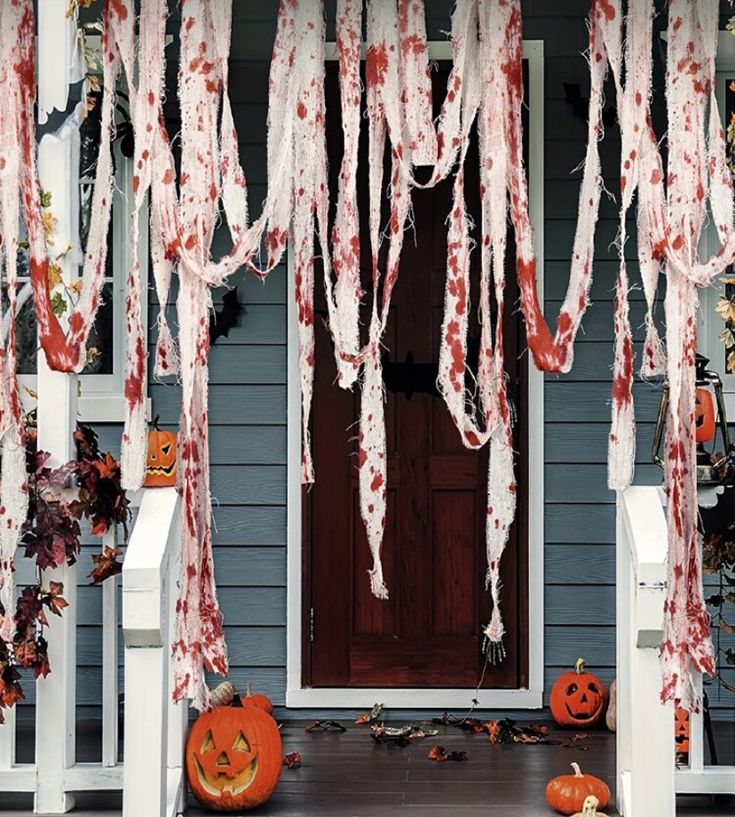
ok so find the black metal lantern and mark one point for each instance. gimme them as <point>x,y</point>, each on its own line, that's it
<point>713,467</point>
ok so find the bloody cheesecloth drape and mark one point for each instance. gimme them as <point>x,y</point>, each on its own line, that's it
<point>65,349</point>
<point>484,91</point>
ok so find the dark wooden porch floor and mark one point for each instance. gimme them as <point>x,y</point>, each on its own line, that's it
<point>348,775</point>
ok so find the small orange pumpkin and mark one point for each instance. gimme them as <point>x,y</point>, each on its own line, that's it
<point>578,698</point>
<point>258,700</point>
<point>681,733</point>
<point>567,792</point>
<point>160,467</point>
<point>233,758</point>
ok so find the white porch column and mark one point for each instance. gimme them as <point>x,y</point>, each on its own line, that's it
<point>58,161</point>
<point>645,726</point>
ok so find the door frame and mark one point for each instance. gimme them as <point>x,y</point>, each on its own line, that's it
<point>530,697</point>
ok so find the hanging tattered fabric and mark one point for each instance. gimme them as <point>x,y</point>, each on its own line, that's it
<point>66,350</point>
<point>485,87</point>
<point>17,53</point>
<point>690,77</point>
<point>671,216</point>
<point>183,226</point>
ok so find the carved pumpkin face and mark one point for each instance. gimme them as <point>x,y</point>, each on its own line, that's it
<point>704,416</point>
<point>233,758</point>
<point>160,469</point>
<point>681,732</point>
<point>578,698</point>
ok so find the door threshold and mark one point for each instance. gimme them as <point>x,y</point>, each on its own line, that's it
<point>364,698</point>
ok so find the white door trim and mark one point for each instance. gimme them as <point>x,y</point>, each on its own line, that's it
<point>527,698</point>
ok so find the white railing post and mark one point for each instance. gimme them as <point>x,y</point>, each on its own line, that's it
<point>57,414</point>
<point>148,775</point>
<point>178,714</point>
<point>645,726</point>
<point>109,662</point>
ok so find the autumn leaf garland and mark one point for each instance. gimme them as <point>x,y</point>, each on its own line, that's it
<point>51,536</point>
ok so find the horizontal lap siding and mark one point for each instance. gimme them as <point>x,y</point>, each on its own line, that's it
<point>248,393</point>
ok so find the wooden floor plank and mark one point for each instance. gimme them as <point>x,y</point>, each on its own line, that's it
<point>349,775</point>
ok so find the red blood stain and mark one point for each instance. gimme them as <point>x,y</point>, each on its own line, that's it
<point>622,384</point>
<point>134,381</point>
<point>119,8</point>
<point>413,44</point>
<point>376,65</point>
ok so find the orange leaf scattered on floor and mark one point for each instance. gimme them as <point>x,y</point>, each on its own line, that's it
<point>292,760</point>
<point>440,754</point>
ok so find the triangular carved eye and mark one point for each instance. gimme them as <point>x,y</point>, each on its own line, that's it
<point>165,449</point>
<point>207,743</point>
<point>240,744</point>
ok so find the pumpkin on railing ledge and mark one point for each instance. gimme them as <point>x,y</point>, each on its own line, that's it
<point>233,753</point>
<point>160,467</point>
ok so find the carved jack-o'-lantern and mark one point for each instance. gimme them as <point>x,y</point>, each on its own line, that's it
<point>160,468</point>
<point>577,698</point>
<point>681,733</point>
<point>233,758</point>
<point>704,415</point>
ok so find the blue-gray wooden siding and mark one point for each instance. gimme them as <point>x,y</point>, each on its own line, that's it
<point>248,396</point>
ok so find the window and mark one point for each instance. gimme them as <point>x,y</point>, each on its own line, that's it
<point>101,397</point>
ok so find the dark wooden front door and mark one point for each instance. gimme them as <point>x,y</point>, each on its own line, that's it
<point>429,633</point>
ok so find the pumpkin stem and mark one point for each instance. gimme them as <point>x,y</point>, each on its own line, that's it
<point>154,424</point>
<point>579,666</point>
<point>577,770</point>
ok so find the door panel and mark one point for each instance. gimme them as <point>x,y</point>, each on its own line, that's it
<point>429,633</point>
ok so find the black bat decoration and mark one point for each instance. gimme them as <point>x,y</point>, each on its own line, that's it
<point>580,105</point>
<point>222,320</point>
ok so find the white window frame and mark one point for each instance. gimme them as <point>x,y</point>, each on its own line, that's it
<point>101,396</point>
<point>531,697</point>
<point>709,324</point>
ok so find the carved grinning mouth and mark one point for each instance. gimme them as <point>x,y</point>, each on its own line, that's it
<point>161,470</point>
<point>579,715</point>
<point>221,784</point>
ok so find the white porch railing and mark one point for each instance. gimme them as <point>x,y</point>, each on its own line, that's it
<point>151,776</point>
<point>56,774</point>
<point>647,778</point>
<point>155,726</point>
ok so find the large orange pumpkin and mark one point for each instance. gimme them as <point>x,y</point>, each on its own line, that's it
<point>160,467</point>
<point>578,698</point>
<point>568,792</point>
<point>233,758</point>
